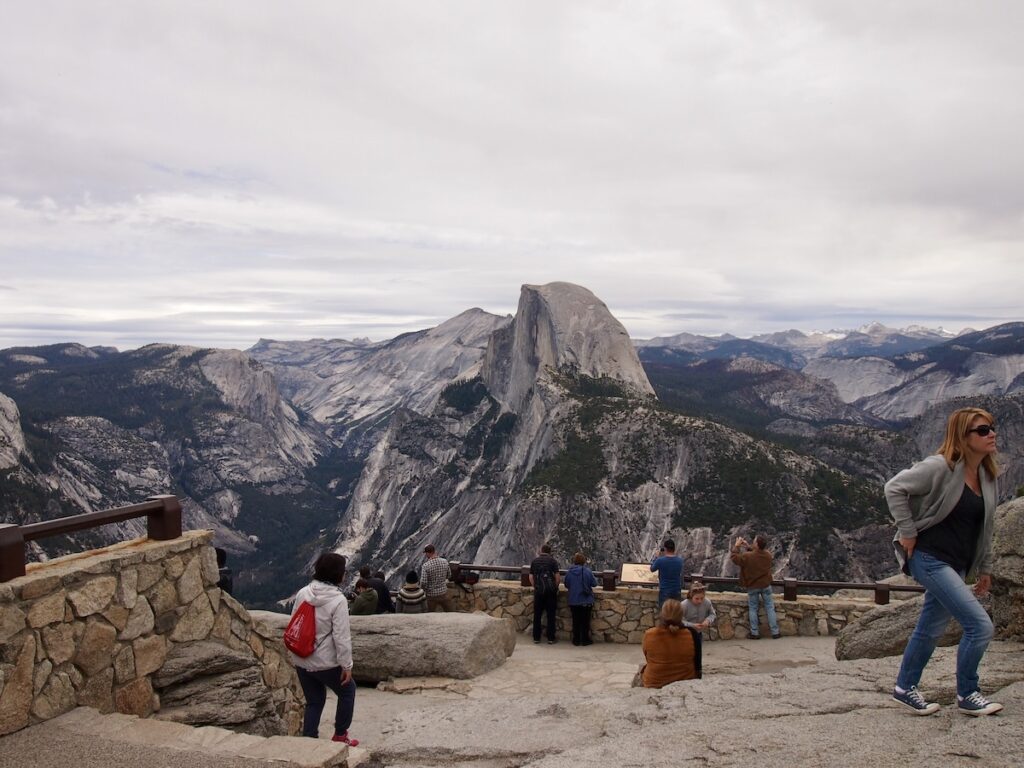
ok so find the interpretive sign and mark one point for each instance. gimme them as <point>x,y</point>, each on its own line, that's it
<point>637,573</point>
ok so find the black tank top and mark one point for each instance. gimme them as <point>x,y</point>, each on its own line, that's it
<point>953,541</point>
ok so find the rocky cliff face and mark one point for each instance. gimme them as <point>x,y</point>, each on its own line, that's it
<point>12,439</point>
<point>353,387</point>
<point>207,425</point>
<point>559,440</point>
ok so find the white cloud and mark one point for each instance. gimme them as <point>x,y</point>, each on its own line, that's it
<point>212,173</point>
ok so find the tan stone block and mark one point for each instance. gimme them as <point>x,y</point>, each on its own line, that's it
<point>174,567</point>
<point>140,621</point>
<point>128,588</point>
<point>42,673</point>
<point>208,561</point>
<point>214,594</point>
<point>148,574</point>
<point>163,597</point>
<point>222,625</point>
<point>135,698</point>
<point>116,615</point>
<point>150,653</point>
<point>237,608</point>
<point>190,583</point>
<point>95,651</point>
<point>16,698</point>
<point>98,691</point>
<point>12,621</point>
<point>124,665</point>
<point>38,587</point>
<point>823,627</point>
<point>47,610</point>
<point>196,622</point>
<point>256,644</point>
<point>635,637</point>
<point>56,697</point>
<point>77,678</point>
<point>93,597</point>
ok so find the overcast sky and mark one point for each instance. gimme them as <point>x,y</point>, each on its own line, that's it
<point>214,172</point>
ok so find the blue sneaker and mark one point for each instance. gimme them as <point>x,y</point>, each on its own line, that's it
<point>977,705</point>
<point>915,701</point>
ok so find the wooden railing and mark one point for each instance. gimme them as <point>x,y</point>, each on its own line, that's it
<point>163,522</point>
<point>790,587</point>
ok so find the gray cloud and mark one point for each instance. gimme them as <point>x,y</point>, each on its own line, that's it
<point>213,173</point>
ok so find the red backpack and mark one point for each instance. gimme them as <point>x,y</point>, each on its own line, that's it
<point>300,634</point>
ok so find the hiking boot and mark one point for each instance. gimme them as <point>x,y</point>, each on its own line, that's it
<point>976,705</point>
<point>915,701</point>
<point>344,739</point>
<point>754,637</point>
<point>776,636</point>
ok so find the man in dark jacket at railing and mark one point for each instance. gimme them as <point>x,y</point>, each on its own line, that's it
<point>755,564</point>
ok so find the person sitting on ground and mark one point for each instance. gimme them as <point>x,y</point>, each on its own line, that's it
<point>698,612</point>
<point>671,649</point>
<point>411,597</point>
<point>365,603</point>
<point>384,604</point>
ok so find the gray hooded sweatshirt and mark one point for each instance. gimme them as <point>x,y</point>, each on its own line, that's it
<point>333,637</point>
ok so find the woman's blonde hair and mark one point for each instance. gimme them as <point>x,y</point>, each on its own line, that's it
<point>954,446</point>
<point>671,616</point>
<point>696,588</point>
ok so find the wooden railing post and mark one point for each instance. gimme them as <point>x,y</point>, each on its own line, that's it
<point>12,552</point>
<point>164,524</point>
<point>881,593</point>
<point>524,576</point>
<point>789,589</point>
<point>608,581</point>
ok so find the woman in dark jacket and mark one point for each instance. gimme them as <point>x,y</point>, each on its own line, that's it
<point>580,582</point>
<point>944,508</point>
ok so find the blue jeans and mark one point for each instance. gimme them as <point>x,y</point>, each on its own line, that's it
<point>946,595</point>
<point>769,610</point>
<point>314,685</point>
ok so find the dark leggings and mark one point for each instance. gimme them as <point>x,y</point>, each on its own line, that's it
<point>314,685</point>
<point>580,624</point>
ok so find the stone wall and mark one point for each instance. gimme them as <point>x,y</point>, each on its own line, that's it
<point>624,615</point>
<point>140,628</point>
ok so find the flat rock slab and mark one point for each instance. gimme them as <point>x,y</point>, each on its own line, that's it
<point>835,715</point>
<point>456,645</point>
<point>391,645</point>
<point>148,742</point>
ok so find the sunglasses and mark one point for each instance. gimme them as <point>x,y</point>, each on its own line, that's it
<point>984,430</point>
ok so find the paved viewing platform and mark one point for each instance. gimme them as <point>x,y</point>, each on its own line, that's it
<point>784,702</point>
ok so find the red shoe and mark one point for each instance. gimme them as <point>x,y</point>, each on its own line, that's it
<point>345,739</point>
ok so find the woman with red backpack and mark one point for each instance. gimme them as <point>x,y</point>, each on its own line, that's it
<point>321,650</point>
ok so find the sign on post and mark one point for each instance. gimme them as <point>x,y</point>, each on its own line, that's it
<point>638,573</point>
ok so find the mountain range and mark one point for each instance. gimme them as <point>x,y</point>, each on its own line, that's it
<point>488,435</point>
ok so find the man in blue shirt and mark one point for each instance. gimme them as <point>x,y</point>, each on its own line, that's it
<point>669,567</point>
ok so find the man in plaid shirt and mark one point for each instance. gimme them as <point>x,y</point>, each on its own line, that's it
<point>434,575</point>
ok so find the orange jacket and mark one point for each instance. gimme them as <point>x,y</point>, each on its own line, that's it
<point>670,656</point>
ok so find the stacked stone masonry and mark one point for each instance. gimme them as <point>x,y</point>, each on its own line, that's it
<point>622,616</point>
<point>140,628</point>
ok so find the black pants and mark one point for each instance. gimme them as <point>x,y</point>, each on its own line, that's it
<point>314,686</point>
<point>581,624</point>
<point>544,604</point>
